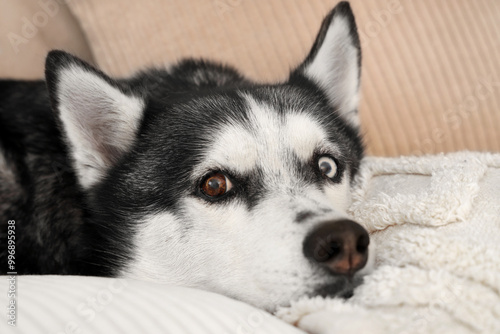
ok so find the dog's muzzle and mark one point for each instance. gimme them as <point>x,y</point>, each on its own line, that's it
<point>341,246</point>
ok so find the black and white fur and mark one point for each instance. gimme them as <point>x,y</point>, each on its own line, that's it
<point>102,176</point>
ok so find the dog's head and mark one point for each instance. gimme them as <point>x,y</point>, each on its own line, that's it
<point>198,177</point>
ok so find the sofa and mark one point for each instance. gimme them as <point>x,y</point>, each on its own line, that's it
<point>430,79</point>
<point>430,87</point>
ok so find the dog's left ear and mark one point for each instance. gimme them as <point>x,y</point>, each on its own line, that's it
<point>98,117</point>
<point>334,62</point>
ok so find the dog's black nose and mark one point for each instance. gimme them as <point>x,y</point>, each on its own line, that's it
<point>341,246</point>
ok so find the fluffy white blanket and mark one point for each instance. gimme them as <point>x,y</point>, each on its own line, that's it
<point>436,223</point>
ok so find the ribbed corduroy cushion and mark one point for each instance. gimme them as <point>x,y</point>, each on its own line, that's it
<point>431,69</point>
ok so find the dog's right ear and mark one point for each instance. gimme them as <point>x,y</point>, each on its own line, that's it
<point>99,119</point>
<point>334,62</point>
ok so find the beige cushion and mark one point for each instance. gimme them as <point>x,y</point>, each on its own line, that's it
<point>29,29</point>
<point>431,75</point>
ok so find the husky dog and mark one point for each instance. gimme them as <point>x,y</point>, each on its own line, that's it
<point>191,175</point>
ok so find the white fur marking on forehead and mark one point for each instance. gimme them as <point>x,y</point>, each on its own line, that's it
<point>304,135</point>
<point>234,149</point>
<point>297,131</point>
<point>266,126</point>
<point>266,141</point>
<point>243,147</point>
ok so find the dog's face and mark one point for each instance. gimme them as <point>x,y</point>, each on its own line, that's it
<point>227,189</point>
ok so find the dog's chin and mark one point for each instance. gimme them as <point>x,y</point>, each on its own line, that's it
<point>343,287</point>
<point>340,287</point>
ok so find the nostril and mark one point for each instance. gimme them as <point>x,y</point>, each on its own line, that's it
<point>361,249</point>
<point>362,244</point>
<point>325,251</point>
<point>334,249</point>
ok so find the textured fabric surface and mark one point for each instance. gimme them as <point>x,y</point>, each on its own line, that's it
<point>436,223</point>
<point>431,75</point>
<point>70,304</point>
<point>29,29</point>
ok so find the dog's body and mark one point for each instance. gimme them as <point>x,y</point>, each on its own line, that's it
<point>191,175</point>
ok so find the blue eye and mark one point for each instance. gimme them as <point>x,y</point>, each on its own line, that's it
<point>327,166</point>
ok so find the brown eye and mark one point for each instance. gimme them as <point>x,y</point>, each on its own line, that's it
<point>216,185</point>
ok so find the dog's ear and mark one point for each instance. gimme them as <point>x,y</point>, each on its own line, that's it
<point>99,119</point>
<point>334,62</point>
